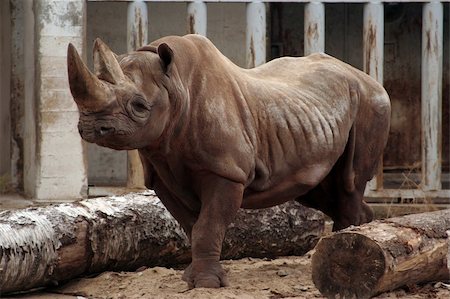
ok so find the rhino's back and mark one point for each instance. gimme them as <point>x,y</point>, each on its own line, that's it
<point>304,110</point>
<point>304,107</point>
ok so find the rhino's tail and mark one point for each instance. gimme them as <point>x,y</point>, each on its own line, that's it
<point>349,171</point>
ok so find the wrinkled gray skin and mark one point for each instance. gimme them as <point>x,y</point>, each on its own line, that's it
<point>213,137</point>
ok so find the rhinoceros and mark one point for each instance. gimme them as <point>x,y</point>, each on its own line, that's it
<point>214,137</point>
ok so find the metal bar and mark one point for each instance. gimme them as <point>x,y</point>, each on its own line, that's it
<point>432,35</point>
<point>256,34</point>
<point>197,17</point>
<point>373,43</point>
<point>314,31</point>
<point>137,33</point>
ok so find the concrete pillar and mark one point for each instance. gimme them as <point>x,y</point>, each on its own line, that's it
<point>373,46</point>
<point>314,32</point>
<point>196,17</point>
<point>137,25</point>
<point>54,163</point>
<point>432,36</point>
<point>373,39</point>
<point>137,34</point>
<point>256,34</point>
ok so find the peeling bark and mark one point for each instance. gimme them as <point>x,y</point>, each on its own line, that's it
<point>361,262</point>
<point>46,245</point>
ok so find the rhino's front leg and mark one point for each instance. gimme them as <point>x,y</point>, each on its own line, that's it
<point>221,199</point>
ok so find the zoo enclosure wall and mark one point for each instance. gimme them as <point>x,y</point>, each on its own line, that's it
<point>387,40</point>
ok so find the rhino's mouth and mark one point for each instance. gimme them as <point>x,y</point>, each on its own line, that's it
<point>103,134</point>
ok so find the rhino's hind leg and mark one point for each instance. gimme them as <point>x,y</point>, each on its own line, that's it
<point>351,174</point>
<point>341,194</point>
<point>351,209</point>
<point>344,208</point>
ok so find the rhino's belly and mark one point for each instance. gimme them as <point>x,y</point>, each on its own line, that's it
<point>279,189</point>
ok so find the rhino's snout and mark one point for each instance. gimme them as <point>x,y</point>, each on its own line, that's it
<point>104,131</point>
<point>80,129</point>
<point>91,134</point>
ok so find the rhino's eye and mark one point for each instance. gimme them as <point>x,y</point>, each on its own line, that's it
<point>138,108</point>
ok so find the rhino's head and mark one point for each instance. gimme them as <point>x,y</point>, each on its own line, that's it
<point>123,105</point>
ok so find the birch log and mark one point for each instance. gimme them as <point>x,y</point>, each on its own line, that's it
<point>46,245</point>
<point>361,262</point>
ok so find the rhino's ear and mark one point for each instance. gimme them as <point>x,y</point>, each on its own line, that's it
<point>166,55</point>
<point>106,66</point>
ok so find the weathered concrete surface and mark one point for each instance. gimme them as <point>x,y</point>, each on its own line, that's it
<point>197,17</point>
<point>14,201</point>
<point>5,119</point>
<point>226,29</point>
<point>431,99</point>
<point>137,34</point>
<point>255,40</point>
<point>29,117</point>
<point>17,92</point>
<point>373,49</point>
<point>137,25</point>
<point>106,166</point>
<point>314,31</point>
<point>59,165</point>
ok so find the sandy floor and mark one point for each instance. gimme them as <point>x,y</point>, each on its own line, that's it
<point>288,277</point>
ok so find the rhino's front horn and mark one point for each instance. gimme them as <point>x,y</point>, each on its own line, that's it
<point>87,90</point>
<point>106,66</point>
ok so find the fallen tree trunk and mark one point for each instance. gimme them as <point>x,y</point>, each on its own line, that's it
<point>361,262</point>
<point>46,245</point>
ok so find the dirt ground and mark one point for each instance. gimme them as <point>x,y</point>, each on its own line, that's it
<point>286,277</point>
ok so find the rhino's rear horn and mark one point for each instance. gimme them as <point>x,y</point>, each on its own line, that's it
<point>87,90</point>
<point>106,66</point>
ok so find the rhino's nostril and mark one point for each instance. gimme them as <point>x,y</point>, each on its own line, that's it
<point>103,131</point>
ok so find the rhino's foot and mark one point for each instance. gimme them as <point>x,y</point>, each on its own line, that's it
<point>356,218</point>
<point>205,274</point>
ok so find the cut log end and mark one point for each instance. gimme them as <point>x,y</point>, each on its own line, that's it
<point>350,266</point>
<point>383,255</point>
